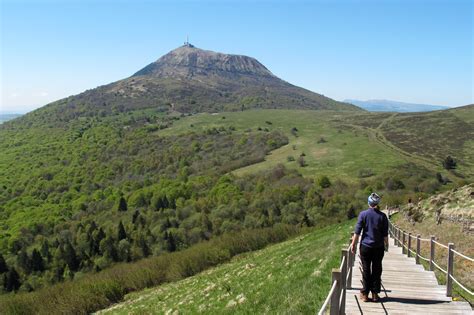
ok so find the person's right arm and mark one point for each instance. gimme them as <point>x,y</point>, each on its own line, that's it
<point>355,240</point>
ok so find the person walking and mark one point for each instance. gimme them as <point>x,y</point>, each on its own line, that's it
<point>374,241</point>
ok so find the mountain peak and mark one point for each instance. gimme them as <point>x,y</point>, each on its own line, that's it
<point>188,61</point>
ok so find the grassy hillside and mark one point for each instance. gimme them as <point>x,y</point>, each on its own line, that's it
<point>341,153</point>
<point>79,198</point>
<point>449,217</point>
<point>352,146</point>
<point>290,277</point>
<point>426,138</point>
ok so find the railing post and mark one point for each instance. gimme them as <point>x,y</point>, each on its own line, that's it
<point>403,242</point>
<point>350,263</point>
<point>399,237</point>
<point>417,258</point>
<point>396,236</point>
<point>336,276</point>
<point>344,254</point>
<point>409,245</point>
<point>449,281</point>
<point>432,252</point>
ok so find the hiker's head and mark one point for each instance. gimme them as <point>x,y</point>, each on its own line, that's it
<point>373,200</point>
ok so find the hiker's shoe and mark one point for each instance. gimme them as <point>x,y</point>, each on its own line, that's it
<point>364,297</point>
<point>375,297</point>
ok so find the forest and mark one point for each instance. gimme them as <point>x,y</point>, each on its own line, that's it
<point>106,190</point>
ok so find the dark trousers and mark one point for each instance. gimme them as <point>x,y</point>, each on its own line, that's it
<point>371,268</point>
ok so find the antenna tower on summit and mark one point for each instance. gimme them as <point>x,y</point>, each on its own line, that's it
<point>187,43</point>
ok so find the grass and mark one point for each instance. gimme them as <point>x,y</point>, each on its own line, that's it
<point>451,233</point>
<point>96,291</point>
<point>377,141</point>
<point>342,155</point>
<point>289,277</point>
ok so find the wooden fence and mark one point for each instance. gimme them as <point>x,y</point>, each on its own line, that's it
<point>341,280</point>
<point>342,276</point>
<point>411,246</point>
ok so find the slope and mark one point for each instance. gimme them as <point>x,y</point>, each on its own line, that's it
<point>425,137</point>
<point>290,277</point>
<point>356,145</point>
<point>197,176</point>
<point>187,80</point>
<point>449,217</point>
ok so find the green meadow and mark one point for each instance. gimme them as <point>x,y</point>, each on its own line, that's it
<point>329,147</point>
<point>290,277</point>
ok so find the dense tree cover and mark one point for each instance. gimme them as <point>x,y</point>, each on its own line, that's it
<point>80,198</point>
<point>93,292</point>
<point>103,190</point>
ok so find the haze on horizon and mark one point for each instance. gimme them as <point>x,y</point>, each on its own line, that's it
<point>410,51</point>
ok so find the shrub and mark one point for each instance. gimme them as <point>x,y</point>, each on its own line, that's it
<point>290,158</point>
<point>301,161</point>
<point>294,131</point>
<point>365,172</point>
<point>449,163</point>
<point>394,184</point>
<point>324,181</point>
<point>97,291</point>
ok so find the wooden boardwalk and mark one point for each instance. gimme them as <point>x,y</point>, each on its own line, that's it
<point>406,289</point>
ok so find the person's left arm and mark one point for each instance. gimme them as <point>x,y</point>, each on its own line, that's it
<point>385,233</point>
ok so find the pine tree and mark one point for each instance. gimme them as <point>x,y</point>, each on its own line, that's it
<point>44,251</point>
<point>306,220</point>
<point>68,274</point>
<point>351,212</point>
<point>3,264</point>
<point>165,225</point>
<point>98,238</point>
<point>108,249</point>
<point>11,280</point>
<point>70,257</point>
<point>170,242</point>
<point>135,216</point>
<point>165,202</point>
<point>37,263</point>
<point>206,223</point>
<point>92,227</point>
<point>58,273</point>
<point>122,234</point>
<point>24,261</point>
<point>122,206</point>
<point>141,243</point>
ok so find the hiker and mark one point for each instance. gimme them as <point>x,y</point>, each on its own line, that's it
<point>374,241</point>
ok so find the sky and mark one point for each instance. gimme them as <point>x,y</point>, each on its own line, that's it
<point>407,50</point>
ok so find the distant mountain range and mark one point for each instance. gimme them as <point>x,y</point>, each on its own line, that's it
<point>394,106</point>
<point>6,117</point>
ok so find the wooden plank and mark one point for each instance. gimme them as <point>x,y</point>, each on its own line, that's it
<point>403,306</point>
<point>407,288</point>
<point>408,312</point>
<point>414,292</point>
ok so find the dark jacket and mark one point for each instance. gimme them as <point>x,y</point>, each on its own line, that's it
<point>374,223</point>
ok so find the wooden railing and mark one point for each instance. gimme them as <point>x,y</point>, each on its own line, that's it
<point>404,240</point>
<point>341,280</point>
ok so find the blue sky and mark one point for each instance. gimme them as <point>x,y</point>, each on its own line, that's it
<point>413,51</point>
